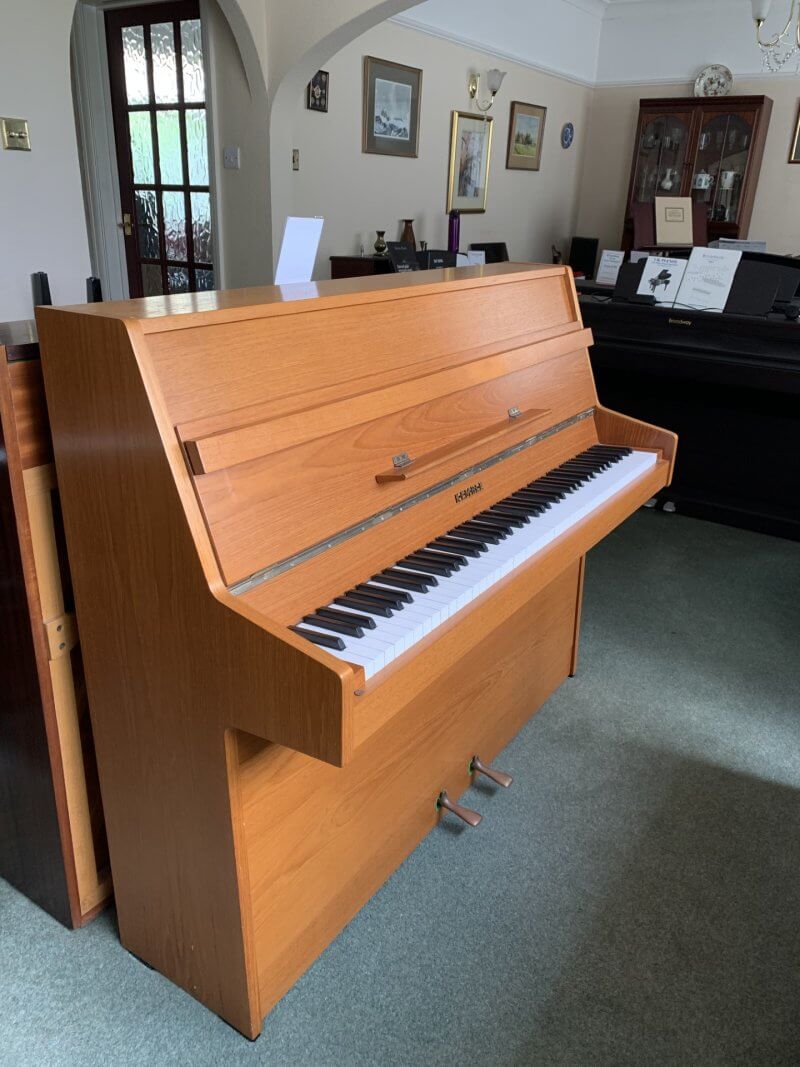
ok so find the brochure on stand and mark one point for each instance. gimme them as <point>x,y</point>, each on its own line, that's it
<point>661,278</point>
<point>708,279</point>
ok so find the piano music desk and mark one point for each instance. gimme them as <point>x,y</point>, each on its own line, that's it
<point>219,456</point>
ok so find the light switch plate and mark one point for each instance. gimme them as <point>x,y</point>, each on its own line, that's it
<point>231,157</point>
<point>15,134</point>
<point>295,159</point>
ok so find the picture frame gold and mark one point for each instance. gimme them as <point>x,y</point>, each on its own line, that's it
<point>525,136</point>
<point>794,152</point>
<point>470,160</point>
<point>391,128</point>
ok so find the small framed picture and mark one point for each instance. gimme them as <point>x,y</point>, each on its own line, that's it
<point>794,155</point>
<point>525,134</point>
<point>470,154</point>
<point>392,96</point>
<point>317,99</point>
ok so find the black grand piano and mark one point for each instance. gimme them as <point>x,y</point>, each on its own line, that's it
<point>728,384</point>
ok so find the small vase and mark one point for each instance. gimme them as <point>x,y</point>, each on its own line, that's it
<point>380,244</point>
<point>407,236</point>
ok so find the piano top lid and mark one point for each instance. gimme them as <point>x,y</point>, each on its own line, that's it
<point>157,313</point>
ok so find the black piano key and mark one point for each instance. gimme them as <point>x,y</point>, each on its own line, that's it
<point>551,493</point>
<point>399,579</point>
<point>612,451</point>
<point>494,522</point>
<point>465,546</point>
<point>437,557</point>
<point>515,516</point>
<point>531,498</point>
<point>584,470</point>
<point>483,533</point>
<point>548,482</point>
<point>326,640</point>
<point>366,622</point>
<point>384,594</point>
<point>453,556</point>
<point>422,567</point>
<point>414,558</point>
<point>349,628</point>
<point>529,507</point>
<point>362,603</point>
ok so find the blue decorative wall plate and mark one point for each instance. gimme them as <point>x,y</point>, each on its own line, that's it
<point>567,134</point>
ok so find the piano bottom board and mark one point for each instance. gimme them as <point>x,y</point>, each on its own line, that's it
<point>321,840</point>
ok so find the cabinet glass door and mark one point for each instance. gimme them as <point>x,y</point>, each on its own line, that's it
<point>660,156</point>
<point>723,148</point>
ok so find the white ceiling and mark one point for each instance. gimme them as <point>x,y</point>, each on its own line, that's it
<point>605,42</point>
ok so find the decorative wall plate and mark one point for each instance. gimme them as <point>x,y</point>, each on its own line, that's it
<point>714,80</point>
<point>567,134</point>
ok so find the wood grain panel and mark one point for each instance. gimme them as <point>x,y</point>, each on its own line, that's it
<point>301,496</point>
<point>257,430</point>
<point>321,842</point>
<point>30,413</point>
<point>277,356</point>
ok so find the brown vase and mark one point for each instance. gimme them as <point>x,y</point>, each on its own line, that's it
<point>407,237</point>
<point>380,244</point>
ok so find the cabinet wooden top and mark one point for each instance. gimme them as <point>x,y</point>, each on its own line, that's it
<point>277,299</point>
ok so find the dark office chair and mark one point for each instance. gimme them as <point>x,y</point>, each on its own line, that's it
<point>496,252</point>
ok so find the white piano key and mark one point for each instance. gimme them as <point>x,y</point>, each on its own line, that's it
<point>428,610</point>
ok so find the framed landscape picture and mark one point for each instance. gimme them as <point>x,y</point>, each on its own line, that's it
<point>470,153</point>
<point>525,133</point>
<point>392,95</point>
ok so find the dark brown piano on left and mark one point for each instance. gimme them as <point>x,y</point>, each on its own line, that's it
<point>52,838</point>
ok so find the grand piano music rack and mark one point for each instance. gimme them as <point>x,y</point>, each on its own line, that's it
<point>226,464</point>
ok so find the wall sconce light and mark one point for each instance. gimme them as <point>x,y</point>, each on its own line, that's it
<point>494,79</point>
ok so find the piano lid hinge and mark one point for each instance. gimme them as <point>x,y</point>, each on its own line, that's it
<point>514,413</point>
<point>402,459</point>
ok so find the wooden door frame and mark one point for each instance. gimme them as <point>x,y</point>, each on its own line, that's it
<point>97,146</point>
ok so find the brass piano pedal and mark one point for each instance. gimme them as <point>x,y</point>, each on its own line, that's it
<point>470,817</point>
<point>477,766</point>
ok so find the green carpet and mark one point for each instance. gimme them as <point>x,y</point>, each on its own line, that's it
<point>634,898</point>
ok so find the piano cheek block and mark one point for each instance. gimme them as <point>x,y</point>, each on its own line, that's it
<point>218,467</point>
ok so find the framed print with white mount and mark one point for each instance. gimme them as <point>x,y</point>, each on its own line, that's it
<point>392,95</point>
<point>470,153</point>
<point>794,155</point>
<point>525,133</point>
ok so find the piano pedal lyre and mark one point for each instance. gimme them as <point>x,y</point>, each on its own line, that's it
<point>477,766</point>
<point>467,815</point>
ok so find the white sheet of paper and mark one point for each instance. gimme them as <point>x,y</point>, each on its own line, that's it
<point>636,256</point>
<point>708,279</point>
<point>661,278</point>
<point>476,257</point>
<point>462,260</point>
<point>610,262</point>
<point>298,250</point>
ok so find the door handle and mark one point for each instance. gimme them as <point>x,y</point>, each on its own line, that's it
<point>125,225</point>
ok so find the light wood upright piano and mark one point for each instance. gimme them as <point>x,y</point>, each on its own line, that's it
<point>260,489</point>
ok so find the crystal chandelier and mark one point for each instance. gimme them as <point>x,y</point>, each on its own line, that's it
<point>776,52</point>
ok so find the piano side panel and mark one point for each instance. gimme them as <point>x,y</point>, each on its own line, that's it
<point>321,842</point>
<point>261,511</point>
<point>205,370</point>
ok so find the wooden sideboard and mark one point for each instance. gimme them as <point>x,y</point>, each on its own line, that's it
<point>52,838</point>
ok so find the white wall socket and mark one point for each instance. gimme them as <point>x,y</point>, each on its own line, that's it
<point>231,157</point>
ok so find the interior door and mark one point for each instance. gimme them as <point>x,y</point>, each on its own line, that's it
<point>158,96</point>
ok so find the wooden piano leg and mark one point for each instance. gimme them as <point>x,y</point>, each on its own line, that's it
<point>573,663</point>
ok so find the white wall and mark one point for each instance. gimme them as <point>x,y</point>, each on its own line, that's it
<point>358,193</point>
<point>609,150</point>
<point>42,222</point>
<point>559,36</point>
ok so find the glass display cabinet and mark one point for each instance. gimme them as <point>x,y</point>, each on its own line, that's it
<point>709,148</point>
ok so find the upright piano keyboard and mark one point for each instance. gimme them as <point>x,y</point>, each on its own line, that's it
<point>327,545</point>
